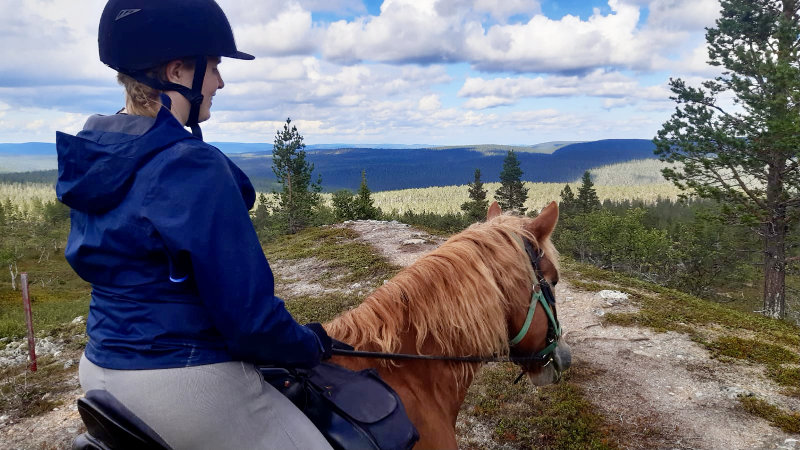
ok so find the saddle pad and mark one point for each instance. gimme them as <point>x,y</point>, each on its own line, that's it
<point>364,397</point>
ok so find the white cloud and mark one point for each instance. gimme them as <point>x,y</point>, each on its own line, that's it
<point>619,89</point>
<point>426,31</point>
<point>289,31</point>
<point>49,42</point>
<point>430,102</point>
<point>405,31</point>
<point>682,14</point>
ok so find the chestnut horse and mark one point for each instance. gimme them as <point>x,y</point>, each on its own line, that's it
<point>466,298</point>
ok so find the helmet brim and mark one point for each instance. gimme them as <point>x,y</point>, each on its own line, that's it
<point>240,55</point>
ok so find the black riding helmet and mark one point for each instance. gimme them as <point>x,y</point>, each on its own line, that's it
<point>136,36</point>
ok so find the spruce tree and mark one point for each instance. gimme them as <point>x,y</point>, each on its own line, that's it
<point>568,200</point>
<point>299,195</point>
<point>587,200</point>
<point>478,204</point>
<point>363,205</point>
<point>512,193</point>
<point>343,205</point>
<point>745,154</point>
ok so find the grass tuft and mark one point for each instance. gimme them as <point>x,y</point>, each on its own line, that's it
<point>785,420</point>
<point>557,416</point>
<point>752,350</point>
<point>335,246</point>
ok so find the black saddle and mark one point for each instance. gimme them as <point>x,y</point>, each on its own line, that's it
<point>110,425</point>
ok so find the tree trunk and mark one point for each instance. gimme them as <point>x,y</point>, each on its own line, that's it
<point>290,206</point>
<point>13,276</point>
<point>775,270</point>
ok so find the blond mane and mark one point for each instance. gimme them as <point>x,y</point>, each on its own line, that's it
<point>456,297</point>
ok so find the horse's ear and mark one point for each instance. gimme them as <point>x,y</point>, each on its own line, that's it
<point>494,211</point>
<point>544,224</point>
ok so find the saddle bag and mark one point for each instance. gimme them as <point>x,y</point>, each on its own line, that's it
<point>353,410</point>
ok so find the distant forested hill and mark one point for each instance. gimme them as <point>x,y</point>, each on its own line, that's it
<point>389,169</point>
<point>410,167</point>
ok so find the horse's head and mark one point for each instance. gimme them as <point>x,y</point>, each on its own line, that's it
<point>534,330</point>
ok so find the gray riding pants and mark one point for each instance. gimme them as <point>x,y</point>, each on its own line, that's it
<point>215,406</point>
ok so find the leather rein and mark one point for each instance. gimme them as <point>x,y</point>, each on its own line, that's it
<point>544,296</point>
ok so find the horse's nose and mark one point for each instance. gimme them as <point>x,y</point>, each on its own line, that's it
<point>562,357</point>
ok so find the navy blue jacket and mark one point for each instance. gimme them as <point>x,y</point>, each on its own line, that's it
<point>160,227</point>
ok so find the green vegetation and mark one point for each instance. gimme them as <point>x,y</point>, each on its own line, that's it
<point>347,206</point>
<point>299,196</point>
<point>33,242</point>
<point>475,209</point>
<point>29,394</point>
<point>587,199</point>
<point>512,194</point>
<point>770,343</point>
<point>334,246</point>
<point>787,421</point>
<point>33,237</point>
<point>745,155</point>
<point>555,417</point>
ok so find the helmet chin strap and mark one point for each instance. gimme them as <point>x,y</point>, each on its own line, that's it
<point>193,95</point>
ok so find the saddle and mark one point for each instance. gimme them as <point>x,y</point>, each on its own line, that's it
<point>353,410</point>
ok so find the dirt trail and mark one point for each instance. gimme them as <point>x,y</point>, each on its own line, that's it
<point>660,390</point>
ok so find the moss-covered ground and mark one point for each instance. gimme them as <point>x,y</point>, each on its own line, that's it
<point>730,335</point>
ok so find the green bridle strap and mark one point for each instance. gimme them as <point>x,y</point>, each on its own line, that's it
<point>536,297</point>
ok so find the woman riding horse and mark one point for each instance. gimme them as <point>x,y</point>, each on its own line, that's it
<point>183,300</point>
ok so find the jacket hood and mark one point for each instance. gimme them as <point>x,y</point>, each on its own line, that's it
<point>97,166</point>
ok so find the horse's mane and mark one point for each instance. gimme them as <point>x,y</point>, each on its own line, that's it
<point>456,296</point>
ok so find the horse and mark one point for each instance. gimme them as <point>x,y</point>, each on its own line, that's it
<point>466,298</point>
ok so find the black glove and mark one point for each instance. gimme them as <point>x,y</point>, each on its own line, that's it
<point>339,345</point>
<point>323,337</point>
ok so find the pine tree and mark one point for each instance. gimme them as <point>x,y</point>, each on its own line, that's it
<point>478,204</point>
<point>299,195</point>
<point>746,157</point>
<point>512,194</point>
<point>363,205</point>
<point>587,200</point>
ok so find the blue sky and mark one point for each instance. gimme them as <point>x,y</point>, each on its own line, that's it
<point>442,72</point>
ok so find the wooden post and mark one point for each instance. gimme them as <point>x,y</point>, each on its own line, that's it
<point>26,302</point>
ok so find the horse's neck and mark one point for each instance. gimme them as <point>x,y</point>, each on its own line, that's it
<point>432,391</point>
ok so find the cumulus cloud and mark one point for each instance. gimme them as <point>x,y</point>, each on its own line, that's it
<point>619,89</point>
<point>49,42</point>
<point>378,78</point>
<point>287,31</point>
<point>405,31</point>
<point>427,31</point>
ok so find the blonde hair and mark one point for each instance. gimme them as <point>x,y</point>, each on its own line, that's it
<point>141,99</point>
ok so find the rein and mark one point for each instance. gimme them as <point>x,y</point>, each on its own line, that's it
<point>474,359</point>
<point>543,296</point>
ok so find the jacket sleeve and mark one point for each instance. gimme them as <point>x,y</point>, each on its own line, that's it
<point>197,208</point>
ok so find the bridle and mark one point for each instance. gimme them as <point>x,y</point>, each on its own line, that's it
<point>544,296</point>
